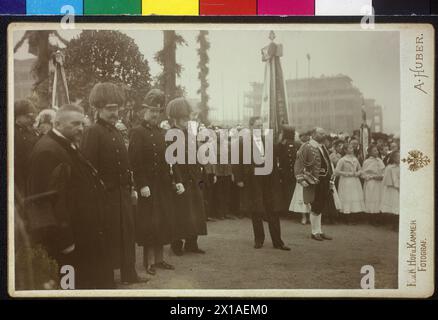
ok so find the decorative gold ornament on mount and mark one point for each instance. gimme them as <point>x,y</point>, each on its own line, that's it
<point>416,160</point>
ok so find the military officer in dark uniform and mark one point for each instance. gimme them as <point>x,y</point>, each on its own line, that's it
<point>153,181</point>
<point>104,146</point>
<point>66,203</point>
<point>190,215</point>
<point>287,154</point>
<point>25,138</point>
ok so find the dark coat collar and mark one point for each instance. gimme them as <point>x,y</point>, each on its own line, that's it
<point>24,128</point>
<point>147,125</point>
<point>105,124</point>
<point>64,142</point>
<point>67,145</point>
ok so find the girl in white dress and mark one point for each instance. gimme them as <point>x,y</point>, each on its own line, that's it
<point>350,189</point>
<point>372,172</point>
<point>391,189</point>
<point>297,204</point>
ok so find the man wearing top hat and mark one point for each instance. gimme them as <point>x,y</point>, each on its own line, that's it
<point>104,146</point>
<point>190,215</point>
<point>153,182</point>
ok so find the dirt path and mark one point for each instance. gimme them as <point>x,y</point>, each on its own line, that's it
<point>231,261</point>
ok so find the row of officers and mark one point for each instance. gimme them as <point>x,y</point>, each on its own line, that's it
<point>76,189</point>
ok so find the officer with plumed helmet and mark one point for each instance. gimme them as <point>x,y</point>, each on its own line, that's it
<point>191,217</point>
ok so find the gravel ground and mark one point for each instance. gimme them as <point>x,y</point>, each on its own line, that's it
<point>231,262</point>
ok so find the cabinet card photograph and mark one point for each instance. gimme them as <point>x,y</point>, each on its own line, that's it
<point>220,160</point>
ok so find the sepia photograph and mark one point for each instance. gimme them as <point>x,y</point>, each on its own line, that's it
<point>220,159</point>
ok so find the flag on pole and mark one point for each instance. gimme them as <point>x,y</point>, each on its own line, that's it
<point>365,134</point>
<point>274,99</point>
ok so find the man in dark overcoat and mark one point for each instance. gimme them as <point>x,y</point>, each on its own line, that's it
<point>25,138</point>
<point>105,147</point>
<point>260,194</point>
<point>153,182</point>
<point>190,215</point>
<point>66,203</point>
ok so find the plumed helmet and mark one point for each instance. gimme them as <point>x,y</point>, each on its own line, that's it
<point>179,108</point>
<point>46,116</point>
<point>154,99</point>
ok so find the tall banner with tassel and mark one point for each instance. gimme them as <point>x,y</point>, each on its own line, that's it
<point>365,135</point>
<point>274,99</point>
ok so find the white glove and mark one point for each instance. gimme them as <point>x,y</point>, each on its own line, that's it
<point>179,188</point>
<point>145,192</point>
<point>304,183</point>
<point>240,184</point>
<point>69,249</point>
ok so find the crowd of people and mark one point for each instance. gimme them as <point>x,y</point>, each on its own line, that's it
<point>366,190</point>
<point>89,190</point>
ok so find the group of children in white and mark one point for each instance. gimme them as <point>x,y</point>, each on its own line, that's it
<point>372,188</point>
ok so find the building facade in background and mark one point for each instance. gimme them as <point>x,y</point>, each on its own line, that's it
<point>329,102</point>
<point>374,115</point>
<point>252,102</point>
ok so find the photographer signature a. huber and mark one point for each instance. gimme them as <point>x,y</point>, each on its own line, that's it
<point>418,69</point>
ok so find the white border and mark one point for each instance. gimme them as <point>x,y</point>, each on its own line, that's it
<point>417,188</point>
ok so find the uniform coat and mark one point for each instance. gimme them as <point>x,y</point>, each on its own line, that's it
<point>208,189</point>
<point>66,206</point>
<point>154,217</point>
<point>313,165</point>
<point>190,215</point>
<point>104,146</point>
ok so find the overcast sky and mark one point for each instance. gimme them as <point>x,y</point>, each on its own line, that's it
<point>370,59</point>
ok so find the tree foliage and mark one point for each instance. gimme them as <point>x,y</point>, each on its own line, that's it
<point>40,47</point>
<point>204,46</point>
<point>104,55</point>
<point>166,57</point>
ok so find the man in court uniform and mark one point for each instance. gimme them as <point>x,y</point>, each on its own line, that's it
<point>66,203</point>
<point>190,215</point>
<point>104,146</point>
<point>314,171</point>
